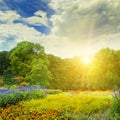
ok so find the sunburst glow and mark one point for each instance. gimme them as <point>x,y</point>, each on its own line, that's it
<point>86,59</point>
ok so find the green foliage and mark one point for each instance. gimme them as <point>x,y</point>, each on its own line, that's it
<point>4,61</point>
<point>15,97</point>
<point>104,71</point>
<point>101,74</point>
<point>56,65</point>
<point>82,116</point>
<point>115,111</point>
<point>39,73</point>
<point>9,78</point>
<point>53,91</point>
<point>66,73</point>
<point>29,61</point>
<point>75,103</point>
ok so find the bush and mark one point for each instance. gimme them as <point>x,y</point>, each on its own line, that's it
<point>11,96</point>
<point>70,102</point>
<point>52,91</point>
<point>104,115</point>
<point>115,111</point>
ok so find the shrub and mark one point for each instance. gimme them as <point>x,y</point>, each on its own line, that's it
<point>115,111</point>
<point>69,102</point>
<point>104,115</point>
<point>12,96</point>
<point>1,82</point>
<point>52,91</point>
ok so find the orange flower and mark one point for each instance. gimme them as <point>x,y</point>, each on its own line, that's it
<point>1,81</point>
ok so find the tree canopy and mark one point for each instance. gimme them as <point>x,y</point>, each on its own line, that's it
<point>104,72</point>
<point>28,62</point>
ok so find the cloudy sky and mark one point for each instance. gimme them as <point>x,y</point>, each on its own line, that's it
<point>65,28</point>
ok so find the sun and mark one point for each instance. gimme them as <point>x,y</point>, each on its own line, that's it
<point>86,59</point>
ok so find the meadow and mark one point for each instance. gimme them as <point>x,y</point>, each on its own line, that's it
<point>39,86</point>
<point>36,103</point>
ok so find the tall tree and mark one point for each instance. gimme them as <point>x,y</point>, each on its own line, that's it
<point>29,60</point>
<point>104,71</point>
<point>67,73</point>
<point>56,65</point>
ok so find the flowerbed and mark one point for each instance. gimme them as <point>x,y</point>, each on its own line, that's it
<point>25,104</point>
<point>62,106</point>
<point>13,96</point>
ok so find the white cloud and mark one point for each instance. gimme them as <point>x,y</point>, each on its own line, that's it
<point>20,32</point>
<point>40,18</point>
<point>68,21</point>
<point>70,4</point>
<point>41,13</point>
<point>11,33</point>
<point>68,35</point>
<point>1,41</point>
<point>74,30</point>
<point>79,27</point>
<point>8,16</point>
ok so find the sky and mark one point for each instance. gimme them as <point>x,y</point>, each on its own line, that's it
<point>65,28</point>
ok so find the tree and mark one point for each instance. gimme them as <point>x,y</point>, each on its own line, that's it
<point>66,73</point>
<point>29,60</point>
<point>4,61</point>
<point>104,71</point>
<point>39,73</point>
<point>74,72</point>
<point>56,65</point>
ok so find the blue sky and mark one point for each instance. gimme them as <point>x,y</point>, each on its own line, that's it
<point>65,28</point>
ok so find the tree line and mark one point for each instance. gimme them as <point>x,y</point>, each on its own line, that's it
<point>28,64</point>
